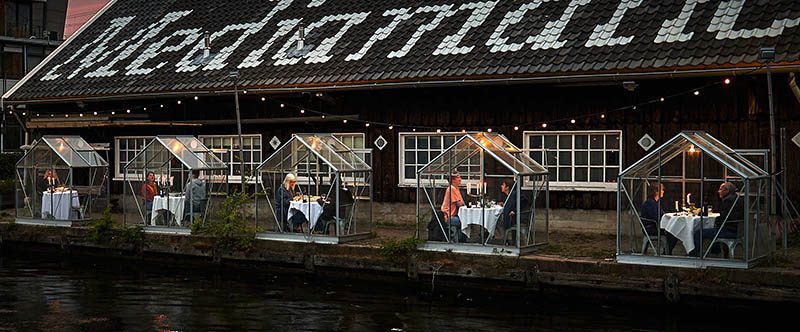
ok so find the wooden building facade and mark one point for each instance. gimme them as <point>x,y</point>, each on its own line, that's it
<point>417,74</point>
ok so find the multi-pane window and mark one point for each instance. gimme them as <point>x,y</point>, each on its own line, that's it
<point>226,147</point>
<point>418,149</point>
<point>577,159</point>
<point>125,149</point>
<point>354,141</point>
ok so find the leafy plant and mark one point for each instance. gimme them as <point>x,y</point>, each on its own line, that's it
<point>232,231</point>
<point>135,235</point>
<point>100,229</point>
<point>399,251</point>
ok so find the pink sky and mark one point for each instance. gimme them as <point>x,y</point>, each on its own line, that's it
<point>80,11</point>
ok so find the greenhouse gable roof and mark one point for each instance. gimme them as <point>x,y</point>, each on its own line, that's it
<point>74,151</point>
<point>701,141</point>
<point>494,145</point>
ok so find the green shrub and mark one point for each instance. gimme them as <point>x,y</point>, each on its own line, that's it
<point>399,251</point>
<point>232,231</point>
<point>100,229</point>
<point>135,236</point>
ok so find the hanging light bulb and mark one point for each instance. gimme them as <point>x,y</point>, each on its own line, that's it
<point>438,130</point>
<point>726,81</point>
<point>413,129</point>
<point>81,115</point>
<point>344,121</point>
<point>302,111</point>
<point>95,113</point>
<point>391,127</point>
<point>195,98</point>
<point>572,121</point>
<point>143,108</point>
<point>179,102</point>
<point>696,92</point>
<point>602,116</point>
<point>263,98</point>
<point>463,130</point>
<point>489,130</point>
<point>323,116</point>
<point>113,112</point>
<point>162,105</point>
<point>544,125</point>
<point>662,99</point>
<point>23,113</point>
<point>516,127</point>
<point>129,110</point>
<point>282,105</point>
<point>366,124</point>
<point>66,115</point>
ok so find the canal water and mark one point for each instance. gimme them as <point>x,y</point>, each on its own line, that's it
<point>46,293</point>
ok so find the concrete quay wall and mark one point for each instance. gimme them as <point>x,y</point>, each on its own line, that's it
<point>525,276</point>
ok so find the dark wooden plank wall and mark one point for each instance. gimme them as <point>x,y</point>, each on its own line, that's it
<point>737,114</point>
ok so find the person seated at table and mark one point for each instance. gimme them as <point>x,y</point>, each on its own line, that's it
<point>651,213</point>
<point>731,211</point>
<point>48,182</point>
<point>283,199</point>
<point>195,192</point>
<point>329,209</point>
<point>453,201</point>
<point>149,190</point>
<point>509,202</point>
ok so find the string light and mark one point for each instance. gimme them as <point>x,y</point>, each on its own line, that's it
<point>344,121</point>
<point>244,91</point>
<point>52,115</point>
<point>162,105</point>
<point>602,116</point>
<point>302,111</point>
<point>144,108</point>
<point>81,115</point>
<point>179,102</point>
<point>128,110</point>
<point>572,121</point>
<point>195,98</point>
<point>489,130</point>
<point>366,124</point>
<point>662,99</point>
<point>696,92</point>
<point>544,125</point>
<point>727,81</point>
<point>516,127</point>
<point>323,116</point>
<point>438,130</point>
<point>95,113</point>
<point>23,113</point>
<point>37,114</point>
<point>282,105</point>
<point>391,127</point>
<point>263,98</point>
<point>463,130</point>
<point>112,112</point>
<point>66,115</point>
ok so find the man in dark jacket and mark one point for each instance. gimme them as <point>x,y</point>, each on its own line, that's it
<point>731,212</point>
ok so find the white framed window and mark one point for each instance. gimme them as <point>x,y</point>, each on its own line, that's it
<point>125,148</point>
<point>417,149</point>
<point>577,160</point>
<point>353,141</point>
<point>226,148</point>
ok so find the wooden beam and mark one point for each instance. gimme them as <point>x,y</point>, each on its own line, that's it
<point>301,119</point>
<point>97,124</point>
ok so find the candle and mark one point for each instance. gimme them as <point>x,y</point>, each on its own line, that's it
<point>688,198</point>
<point>468,188</point>
<point>677,207</point>
<point>484,188</point>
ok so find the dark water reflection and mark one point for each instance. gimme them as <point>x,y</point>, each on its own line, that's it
<point>50,294</point>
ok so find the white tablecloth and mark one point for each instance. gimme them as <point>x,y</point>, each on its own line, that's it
<point>315,210</point>
<point>59,205</point>
<point>684,227</point>
<point>473,215</point>
<point>172,203</point>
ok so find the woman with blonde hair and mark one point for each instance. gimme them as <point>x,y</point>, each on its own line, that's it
<point>283,199</point>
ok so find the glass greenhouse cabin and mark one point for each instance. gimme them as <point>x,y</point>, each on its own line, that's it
<point>186,182</point>
<point>693,202</point>
<point>330,200</point>
<point>61,180</point>
<point>504,198</point>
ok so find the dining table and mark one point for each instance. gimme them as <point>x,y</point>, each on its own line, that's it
<point>684,226</point>
<point>172,203</point>
<point>484,216</point>
<point>60,204</point>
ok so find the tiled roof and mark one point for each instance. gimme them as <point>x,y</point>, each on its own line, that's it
<point>138,47</point>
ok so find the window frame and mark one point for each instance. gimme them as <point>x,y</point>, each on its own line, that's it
<point>579,185</point>
<point>232,178</point>
<point>118,176</point>
<point>401,150</point>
